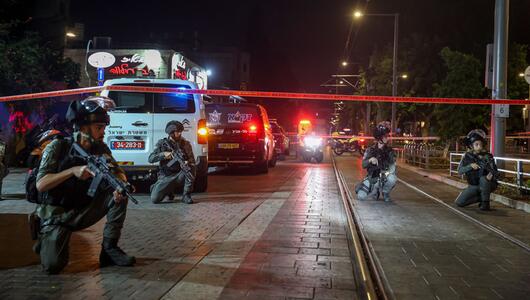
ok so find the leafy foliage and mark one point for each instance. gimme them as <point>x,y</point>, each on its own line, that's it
<point>462,80</point>
<point>28,65</point>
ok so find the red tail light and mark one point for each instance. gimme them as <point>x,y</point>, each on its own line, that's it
<point>361,140</point>
<point>253,129</point>
<point>202,132</point>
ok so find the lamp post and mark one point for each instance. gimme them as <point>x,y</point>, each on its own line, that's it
<point>500,63</point>
<point>68,35</point>
<point>358,15</point>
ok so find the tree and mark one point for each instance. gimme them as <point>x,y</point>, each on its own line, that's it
<point>517,86</point>
<point>378,79</point>
<point>28,65</point>
<point>462,80</point>
<point>420,59</point>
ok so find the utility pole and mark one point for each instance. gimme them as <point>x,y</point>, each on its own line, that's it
<point>500,58</point>
<point>394,73</point>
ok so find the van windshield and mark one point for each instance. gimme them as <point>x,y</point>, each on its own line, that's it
<point>132,102</point>
<point>233,116</point>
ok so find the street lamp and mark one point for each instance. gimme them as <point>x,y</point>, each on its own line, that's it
<point>521,74</point>
<point>344,63</point>
<point>68,35</point>
<point>358,15</point>
<point>404,76</point>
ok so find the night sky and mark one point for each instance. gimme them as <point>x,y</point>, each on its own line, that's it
<point>296,44</point>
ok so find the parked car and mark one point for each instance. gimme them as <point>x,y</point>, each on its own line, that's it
<point>140,118</point>
<point>281,140</point>
<point>240,134</point>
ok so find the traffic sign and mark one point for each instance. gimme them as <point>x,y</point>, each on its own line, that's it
<point>527,74</point>
<point>101,76</point>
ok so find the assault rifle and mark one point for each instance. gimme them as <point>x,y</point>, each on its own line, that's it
<point>382,163</point>
<point>381,170</point>
<point>486,165</point>
<point>98,165</point>
<point>179,158</point>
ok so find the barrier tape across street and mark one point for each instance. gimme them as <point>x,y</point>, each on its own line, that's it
<point>258,94</point>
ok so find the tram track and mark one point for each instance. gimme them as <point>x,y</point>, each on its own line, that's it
<point>370,278</point>
<point>364,249</point>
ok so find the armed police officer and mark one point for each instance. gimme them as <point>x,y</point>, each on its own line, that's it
<point>380,162</point>
<point>177,165</point>
<point>63,180</point>
<point>481,172</point>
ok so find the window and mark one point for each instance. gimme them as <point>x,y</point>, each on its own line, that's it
<point>174,103</point>
<point>170,103</point>
<point>132,102</point>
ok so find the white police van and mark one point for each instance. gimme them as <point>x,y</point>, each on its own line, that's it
<point>139,121</point>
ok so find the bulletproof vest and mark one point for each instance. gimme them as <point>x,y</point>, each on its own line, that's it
<point>72,193</point>
<point>383,157</point>
<point>473,176</point>
<point>170,146</point>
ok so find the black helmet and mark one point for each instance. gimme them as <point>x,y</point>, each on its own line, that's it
<point>381,130</point>
<point>90,110</point>
<point>174,126</point>
<point>475,135</point>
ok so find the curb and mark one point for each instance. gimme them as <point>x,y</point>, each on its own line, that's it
<point>516,204</point>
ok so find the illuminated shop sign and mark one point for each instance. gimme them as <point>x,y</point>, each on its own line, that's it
<point>184,69</point>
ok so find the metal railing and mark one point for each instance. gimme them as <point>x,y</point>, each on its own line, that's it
<point>516,173</point>
<point>426,156</point>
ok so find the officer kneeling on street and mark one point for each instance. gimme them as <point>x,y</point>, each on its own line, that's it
<point>380,162</point>
<point>481,172</point>
<point>63,180</point>
<point>177,165</point>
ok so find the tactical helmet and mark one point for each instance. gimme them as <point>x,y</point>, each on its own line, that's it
<point>90,110</point>
<point>48,135</point>
<point>475,135</point>
<point>174,126</point>
<point>381,130</point>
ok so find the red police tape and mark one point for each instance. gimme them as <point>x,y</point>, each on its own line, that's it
<point>258,94</point>
<point>52,94</point>
<point>363,137</point>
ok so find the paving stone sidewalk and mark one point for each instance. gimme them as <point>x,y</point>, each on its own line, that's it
<point>258,237</point>
<point>429,252</point>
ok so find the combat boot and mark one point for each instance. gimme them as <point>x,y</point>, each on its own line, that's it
<point>186,198</point>
<point>111,255</point>
<point>34,226</point>
<point>34,230</point>
<point>484,205</point>
<point>386,197</point>
<point>169,198</point>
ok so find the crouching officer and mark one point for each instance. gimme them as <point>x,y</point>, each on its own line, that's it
<point>63,181</point>
<point>481,172</point>
<point>177,165</point>
<point>380,162</point>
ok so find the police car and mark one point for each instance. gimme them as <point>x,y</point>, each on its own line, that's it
<point>140,118</point>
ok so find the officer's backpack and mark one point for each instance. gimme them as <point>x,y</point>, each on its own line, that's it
<point>32,194</point>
